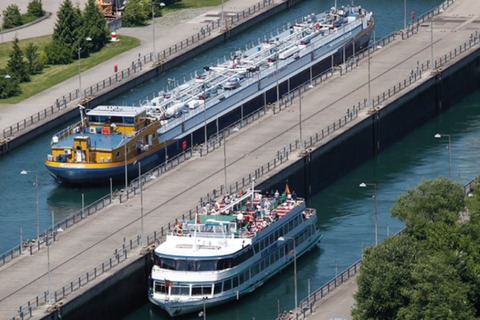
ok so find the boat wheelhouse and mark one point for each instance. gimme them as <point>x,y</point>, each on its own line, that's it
<point>229,250</point>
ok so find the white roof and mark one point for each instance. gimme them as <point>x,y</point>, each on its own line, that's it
<point>118,111</point>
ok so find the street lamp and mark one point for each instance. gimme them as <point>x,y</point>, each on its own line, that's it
<point>404,14</point>
<point>153,28</point>
<point>294,267</point>
<point>300,120</point>
<point>442,135</point>
<point>374,185</point>
<point>140,183</point>
<point>79,67</point>
<point>36,193</point>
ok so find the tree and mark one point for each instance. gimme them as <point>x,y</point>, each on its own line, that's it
<point>432,271</point>
<point>16,66</point>
<point>35,8</point>
<point>136,13</point>
<point>9,86</point>
<point>32,55</point>
<point>94,27</point>
<point>66,33</point>
<point>384,273</point>
<point>432,201</point>
<point>437,292</point>
<point>12,17</point>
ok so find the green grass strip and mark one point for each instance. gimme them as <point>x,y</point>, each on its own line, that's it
<point>55,74</point>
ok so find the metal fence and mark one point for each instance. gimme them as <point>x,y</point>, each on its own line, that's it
<point>305,307</point>
<point>135,69</point>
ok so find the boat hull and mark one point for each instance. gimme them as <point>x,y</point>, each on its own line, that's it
<point>101,173</point>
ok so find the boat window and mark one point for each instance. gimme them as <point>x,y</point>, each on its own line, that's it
<point>167,264</point>
<point>201,290</point>
<point>184,265</point>
<point>255,270</point>
<point>235,282</point>
<point>117,154</point>
<point>129,120</point>
<point>180,290</point>
<point>206,265</point>
<point>227,285</point>
<point>217,288</point>
<point>241,278</point>
<point>114,119</point>
<point>160,288</point>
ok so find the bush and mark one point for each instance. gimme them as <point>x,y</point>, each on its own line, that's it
<point>11,17</point>
<point>58,54</point>
<point>35,8</point>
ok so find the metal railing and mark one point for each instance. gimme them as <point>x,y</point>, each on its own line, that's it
<point>135,69</point>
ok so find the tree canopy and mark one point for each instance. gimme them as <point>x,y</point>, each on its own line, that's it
<point>432,269</point>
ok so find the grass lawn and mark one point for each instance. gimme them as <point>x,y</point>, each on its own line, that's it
<point>54,74</point>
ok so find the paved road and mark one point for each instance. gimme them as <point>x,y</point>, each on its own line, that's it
<point>93,240</point>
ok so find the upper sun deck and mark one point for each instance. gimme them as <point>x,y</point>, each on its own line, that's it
<point>227,226</point>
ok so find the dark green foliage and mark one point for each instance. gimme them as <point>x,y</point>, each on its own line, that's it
<point>94,27</point>
<point>436,291</point>
<point>9,86</point>
<point>136,13</point>
<point>67,31</point>
<point>32,55</point>
<point>432,270</point>
<point>16,66</point>
<point>35,8</point>
<point>433,201</point>
<point>383,271</point>
<point>58,54</point>
<point>11,17</point>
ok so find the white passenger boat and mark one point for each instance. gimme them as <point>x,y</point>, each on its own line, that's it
<point>229,250</point>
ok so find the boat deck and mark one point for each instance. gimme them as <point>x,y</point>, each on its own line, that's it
<point>97,140</point>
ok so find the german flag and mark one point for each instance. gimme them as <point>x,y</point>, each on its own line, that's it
<point>287,189</point>
<point>198,219</point>
<point>168,283</point>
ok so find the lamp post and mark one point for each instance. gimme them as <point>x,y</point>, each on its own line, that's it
<point>79,67</point>
<point>300,120</point>
<point>140,183</point>
<point>374,185</point>
<point>431,43</point>
<point>49,269</point>
<point>153,28</point>
<point>442,135</point>
<point>404,14</point>
<point>294,268</point>
<point>36,194</point>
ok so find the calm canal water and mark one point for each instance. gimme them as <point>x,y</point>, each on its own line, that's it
<point>346,212</point>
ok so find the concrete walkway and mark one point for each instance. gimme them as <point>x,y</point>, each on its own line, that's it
<point>93,241</point>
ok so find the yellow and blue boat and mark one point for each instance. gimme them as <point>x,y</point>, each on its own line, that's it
<point>105,144</point>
